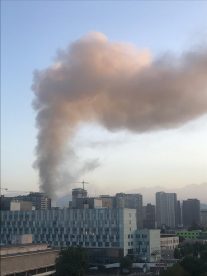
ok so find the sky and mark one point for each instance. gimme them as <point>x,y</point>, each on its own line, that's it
<point>31,34</point>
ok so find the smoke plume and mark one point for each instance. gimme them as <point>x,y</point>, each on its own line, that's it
<point>116,85</point>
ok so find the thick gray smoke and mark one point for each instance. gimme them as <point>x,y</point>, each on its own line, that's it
<point>119,87</point>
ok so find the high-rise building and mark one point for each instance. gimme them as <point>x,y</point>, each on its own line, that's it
<point>148,215</point>
<point>179,214</point>
<point>191,212</point>
<point>204,218</point>
<point>166,209</point>
<point>133,201</point>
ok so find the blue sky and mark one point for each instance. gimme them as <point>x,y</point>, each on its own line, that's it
<point>31,33</point>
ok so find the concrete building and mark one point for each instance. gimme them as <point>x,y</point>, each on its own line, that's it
<point>16,205</point>
<point>147,244</point>
<point>166,210</point>
<point>133,201</point>
<point>148,215</point>
<point>108,201</point>
<point>89,202</point>
<point>204,218</point>
<point>39,200</point>
<point>168,243</point>
<point>191,212</point>
<point>27,259</point>
<point>102,228</point>
<point>22,239</point>
<point>5,203</point>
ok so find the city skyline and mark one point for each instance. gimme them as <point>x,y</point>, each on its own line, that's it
<point>170,158</point>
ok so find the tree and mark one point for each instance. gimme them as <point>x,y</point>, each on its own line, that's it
<point>125,264</point>
<point>72,261</point>
<point>192,265</point>
<point>175,270</point>
<point>177,253</point>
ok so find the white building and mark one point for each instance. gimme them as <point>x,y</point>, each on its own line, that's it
<point>91,228</point>
<point>168,244</point>
<point>147,244</point>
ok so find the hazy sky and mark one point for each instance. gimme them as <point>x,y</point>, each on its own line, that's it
<point>32,32</point>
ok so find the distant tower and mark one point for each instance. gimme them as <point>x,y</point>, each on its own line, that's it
<point>78,193</point>
<point>149,216</point>
<point>166,209</point>
<point>191,212</point>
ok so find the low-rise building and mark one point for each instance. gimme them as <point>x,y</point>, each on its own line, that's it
<point>147,244</point>
<point>168,243</point>
<point>27,259</point>
<point>16,205</point>
<point>189,235</point>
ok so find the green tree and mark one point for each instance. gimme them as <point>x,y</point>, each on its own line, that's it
<point>176,270</point>
<point>177,253</point>
<point>72,261</point>
<point>192,265</point>
<point>125,264</point>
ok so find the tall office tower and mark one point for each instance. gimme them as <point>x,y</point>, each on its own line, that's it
<point>132,201</point>
<point>148,215</point>
<point>166,209</point>
<point>191,212</point>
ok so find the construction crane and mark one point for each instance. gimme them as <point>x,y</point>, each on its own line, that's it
<point>83,183</point>
<point>5,189</point>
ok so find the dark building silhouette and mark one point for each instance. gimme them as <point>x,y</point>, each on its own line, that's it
<point>5,203</point>
<point>179,214</point>
<point>148,215</point>
<point>39,200</point>
<point>191,212</point>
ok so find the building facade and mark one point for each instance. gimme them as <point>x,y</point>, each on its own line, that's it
<point>166,210</point>
<point>189,235</point>
<point>147,244</point>
<point>16,205</point>
<point>191,212</point>
<point>90,228</point>
<point>29,259</point>
<point>168,243</point>
<point>133,201</point>
<point>148,215</point>
<point>40,201</point>
<point>204,218</point>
